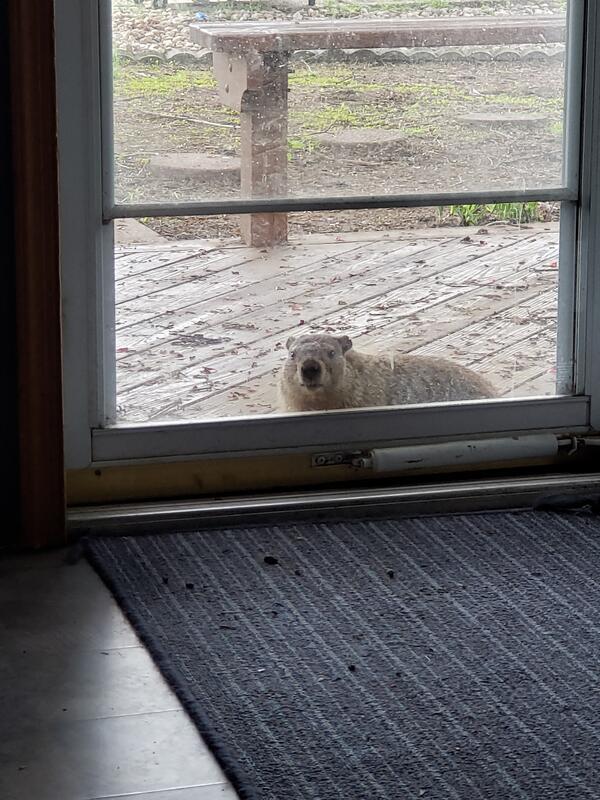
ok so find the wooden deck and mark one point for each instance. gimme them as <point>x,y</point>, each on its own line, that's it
<point>201,326</point>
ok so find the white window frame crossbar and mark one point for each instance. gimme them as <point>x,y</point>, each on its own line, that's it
<point>333,203</point>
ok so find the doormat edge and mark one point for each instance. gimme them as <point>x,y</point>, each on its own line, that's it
<point>227,761</point>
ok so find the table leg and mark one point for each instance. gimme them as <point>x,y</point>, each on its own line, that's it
<point>256,85</point>
<point>264,131</point>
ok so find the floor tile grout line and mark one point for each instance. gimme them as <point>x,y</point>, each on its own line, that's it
<point>157,791</point>
<point>174,709</point>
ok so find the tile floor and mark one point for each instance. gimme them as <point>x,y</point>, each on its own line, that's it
<point>84,713</point>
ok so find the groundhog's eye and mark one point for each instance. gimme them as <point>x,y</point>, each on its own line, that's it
<point>292,354</point>
<point>331,354</point>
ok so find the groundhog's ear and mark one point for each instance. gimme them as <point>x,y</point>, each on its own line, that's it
<point>289,342</point>
<point>346,343</point>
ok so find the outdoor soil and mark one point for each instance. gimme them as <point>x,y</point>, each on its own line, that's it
<point>462,126</point>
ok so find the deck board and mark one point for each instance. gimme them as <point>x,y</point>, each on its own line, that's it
<point>365,284</point>
<point>201,327</point>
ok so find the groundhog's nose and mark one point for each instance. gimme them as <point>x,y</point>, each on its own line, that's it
<point>311,370</point>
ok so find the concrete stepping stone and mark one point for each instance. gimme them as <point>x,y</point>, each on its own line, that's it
<point>504,118</point>
<point>196,167</point>
<point>364,142</point>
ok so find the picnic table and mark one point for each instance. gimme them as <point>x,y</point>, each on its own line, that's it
<point>251,66</point>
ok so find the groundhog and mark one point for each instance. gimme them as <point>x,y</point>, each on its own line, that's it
<point>323,372</point>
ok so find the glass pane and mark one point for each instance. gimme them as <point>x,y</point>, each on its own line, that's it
<point>203,321</point>
<point>357,114</point>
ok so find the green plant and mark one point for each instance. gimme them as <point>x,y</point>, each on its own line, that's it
<point>420,130</point>
<point>332,116</point>
<point>556,128</point>
<point>163,82</point>
<point>515,212</point>
<point>350,8</point>
<point>298,144</point>
<point>430,90</point>
<point>531,102</point>
<point>474,214</point>
<point>342,9</point>
<point>342,116</point>
<point>469,214</point>
<point>327,78</point>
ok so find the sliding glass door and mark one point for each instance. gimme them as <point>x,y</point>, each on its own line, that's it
<point>329,234</point>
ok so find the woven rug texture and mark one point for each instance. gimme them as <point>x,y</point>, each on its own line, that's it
<point>444,658</point>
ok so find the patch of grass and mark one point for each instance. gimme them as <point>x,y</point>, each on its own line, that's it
<point>468,214</point>
<point>515,212</point>
<point>350,8</point>
<point>430,90</point>
<point>428,99</point>
<point>307,144</point>
<point>528,102</point>
<point>556,128</point>
<point>342,116</point>
<point>442,94</point>
<point>163,82</point>
<point>475,214</point>
<point>341,78</point>
<point>431,101</point>
<point>300,144</point>
<point>334,8</point>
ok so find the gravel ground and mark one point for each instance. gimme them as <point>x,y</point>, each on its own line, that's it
<point>141,28</point>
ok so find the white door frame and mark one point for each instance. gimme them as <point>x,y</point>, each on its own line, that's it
<point>87,211</point>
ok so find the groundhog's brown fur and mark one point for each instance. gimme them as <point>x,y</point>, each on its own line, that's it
<point>324,372</point>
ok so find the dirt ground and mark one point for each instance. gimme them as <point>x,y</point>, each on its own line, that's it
<point>435,107</point>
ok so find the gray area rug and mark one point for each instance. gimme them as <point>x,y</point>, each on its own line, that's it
<point>440,658</point>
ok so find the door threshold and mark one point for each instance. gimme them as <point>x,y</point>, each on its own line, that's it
<point>548,491</point>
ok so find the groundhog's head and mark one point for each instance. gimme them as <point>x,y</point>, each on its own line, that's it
<point>316,362</point>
